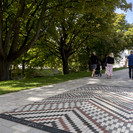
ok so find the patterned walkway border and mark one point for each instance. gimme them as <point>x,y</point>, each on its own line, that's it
<point>32,124</point>
<point>87,109</point>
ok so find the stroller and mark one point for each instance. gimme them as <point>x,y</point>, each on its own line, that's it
<point>98,70</point>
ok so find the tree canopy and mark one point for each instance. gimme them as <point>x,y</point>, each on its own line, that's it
<point>23,22</point>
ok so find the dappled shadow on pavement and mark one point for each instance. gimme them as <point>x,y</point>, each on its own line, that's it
<point>90,108</point>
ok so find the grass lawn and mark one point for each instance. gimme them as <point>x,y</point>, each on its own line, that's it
<point>17,85</point>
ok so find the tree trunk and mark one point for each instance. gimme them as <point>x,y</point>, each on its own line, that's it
<point>65,66</point>
<point>4,70</point>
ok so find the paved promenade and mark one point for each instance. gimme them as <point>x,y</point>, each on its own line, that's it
<point>11,101</point>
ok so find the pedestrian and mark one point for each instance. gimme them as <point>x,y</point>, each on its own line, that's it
<point>130,64</point>
<point>109,65</point>
<point>94,61</point>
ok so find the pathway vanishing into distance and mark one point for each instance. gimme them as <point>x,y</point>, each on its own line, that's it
<point>11,101</point>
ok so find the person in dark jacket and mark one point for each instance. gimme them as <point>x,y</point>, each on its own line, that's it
<point>130,64</point>
<point>109,66</point>
<point>94,61</point>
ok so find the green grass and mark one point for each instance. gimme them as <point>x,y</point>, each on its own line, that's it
<point>17,85</point>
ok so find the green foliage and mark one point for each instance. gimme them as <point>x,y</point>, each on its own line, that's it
<point>80,59</point>
<point>110,40</point>
<point>120,23</point>
<point>64,24</point>
<point>70,30</point>
<point>128,35</point>
<point>113,41</point>
<point>16,74</point>
<point>17,85</point>
<point>32,73</point>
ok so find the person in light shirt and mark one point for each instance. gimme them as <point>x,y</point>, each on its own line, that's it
<point>109,66</point>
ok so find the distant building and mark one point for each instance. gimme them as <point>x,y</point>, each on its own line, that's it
<point>120,62</point>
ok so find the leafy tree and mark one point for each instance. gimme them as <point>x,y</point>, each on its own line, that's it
<point>38,56</point>
<point>111,41</point>
<point>22,22</point>
<point>128,35</point>
<point>120,24</point>
<point>70,30</point>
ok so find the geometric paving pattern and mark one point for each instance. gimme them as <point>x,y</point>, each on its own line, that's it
<point>87,109</point>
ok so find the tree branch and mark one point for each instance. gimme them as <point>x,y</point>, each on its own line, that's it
<point>55,48</point>
<point>24,48</point>
<point>14,24</point>
<point>1,25</point>
<point>78,46</point>
<point>75,35</point>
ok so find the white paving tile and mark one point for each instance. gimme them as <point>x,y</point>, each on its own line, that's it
<point>4,129</point>
<point>17,132</point>
<point>7,123</point>
<point>21,128</point>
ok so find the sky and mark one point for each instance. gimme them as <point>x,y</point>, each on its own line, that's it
<point>129,13</point>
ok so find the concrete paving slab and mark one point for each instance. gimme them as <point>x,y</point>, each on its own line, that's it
<point>14,100</point>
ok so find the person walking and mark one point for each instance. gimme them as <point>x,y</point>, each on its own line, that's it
<point>130,64</point>
<point>109,66</point>
<point>94,61</point>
